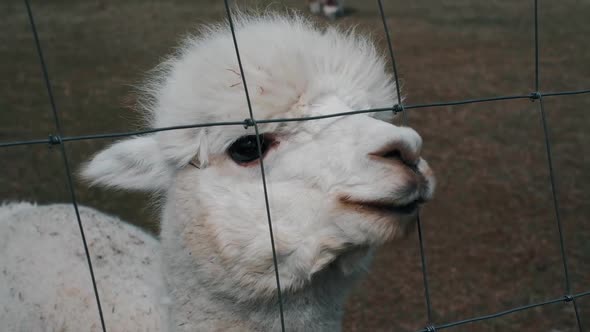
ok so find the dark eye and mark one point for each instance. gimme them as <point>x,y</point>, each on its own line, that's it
<point>244,150</point>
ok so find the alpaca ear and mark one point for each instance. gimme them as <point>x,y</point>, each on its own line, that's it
<point>135,163</point>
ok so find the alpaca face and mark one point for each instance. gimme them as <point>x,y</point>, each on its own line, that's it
<point>336,186</point>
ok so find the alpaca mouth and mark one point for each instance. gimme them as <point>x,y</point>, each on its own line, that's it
<point>388,208</point>
<point>404,209</point>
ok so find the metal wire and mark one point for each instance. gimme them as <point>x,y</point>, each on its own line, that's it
<point>259,147</point>
<point>392,56</point>
<point>551,170</point>
<point>556,207</point>
<point>536,95</point>
<point>65,159</point>
<point>536,14</point>
<point>405,121</point>
<point>248,122</point>
<point>502,313</point>
<point>424,271</point>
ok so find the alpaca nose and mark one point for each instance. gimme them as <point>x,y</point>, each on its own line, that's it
<point>399,152</point>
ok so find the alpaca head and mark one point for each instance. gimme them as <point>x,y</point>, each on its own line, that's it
<point>336,186</point>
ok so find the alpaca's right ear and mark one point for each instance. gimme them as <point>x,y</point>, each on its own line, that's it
<point>135,163</point>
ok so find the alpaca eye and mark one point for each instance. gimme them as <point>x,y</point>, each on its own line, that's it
<point>244,150</point>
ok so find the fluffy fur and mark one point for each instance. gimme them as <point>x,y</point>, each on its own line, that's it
<point>334,184</point>
<point>44,281</point>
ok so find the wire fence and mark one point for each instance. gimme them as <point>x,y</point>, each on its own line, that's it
<point>536,96</point>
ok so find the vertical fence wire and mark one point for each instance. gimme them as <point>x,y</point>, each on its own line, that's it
<point>259,147</point>
<point>405,120</point>
<point>424,271</point>
<point>547,141</point>
<point>393,63</point>
<point>551,170</point>
<point>57,140</point>
<point>536,27</point>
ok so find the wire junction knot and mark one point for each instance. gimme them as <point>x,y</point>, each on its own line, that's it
<point>535,95</point>
<point>248,123</point>
<point>430,328</point>
<point>398,108</point>
<point>54,140</point>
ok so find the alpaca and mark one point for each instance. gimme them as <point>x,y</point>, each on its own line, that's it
<point>337,188</point>
<point>329,8</point>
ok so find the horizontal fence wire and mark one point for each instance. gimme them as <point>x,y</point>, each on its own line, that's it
<point>566,299</point>
<point>53,139</point>
<point>251,121</point>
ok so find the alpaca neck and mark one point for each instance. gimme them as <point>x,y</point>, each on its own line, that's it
<point>203,298</point>
<point>194,306</point>
<point>198,304</point>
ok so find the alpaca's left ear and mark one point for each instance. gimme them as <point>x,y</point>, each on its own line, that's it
<point>136,163</point>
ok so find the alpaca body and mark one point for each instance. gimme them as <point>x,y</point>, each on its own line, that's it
<point>45,283</point>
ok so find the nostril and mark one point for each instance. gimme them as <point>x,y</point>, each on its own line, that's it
<point>397,154</point>
<point>393,154</point>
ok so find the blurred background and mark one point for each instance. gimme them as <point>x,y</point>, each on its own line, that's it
<point>491,239</point>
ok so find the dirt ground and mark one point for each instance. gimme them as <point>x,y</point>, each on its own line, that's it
<point>490,234</point>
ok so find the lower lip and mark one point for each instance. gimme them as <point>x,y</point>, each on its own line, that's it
<point>400,210</point>
<point>407,209</point>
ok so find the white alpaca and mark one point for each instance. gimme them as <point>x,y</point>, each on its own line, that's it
<point>337,188</point>
<point>329,8</point>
